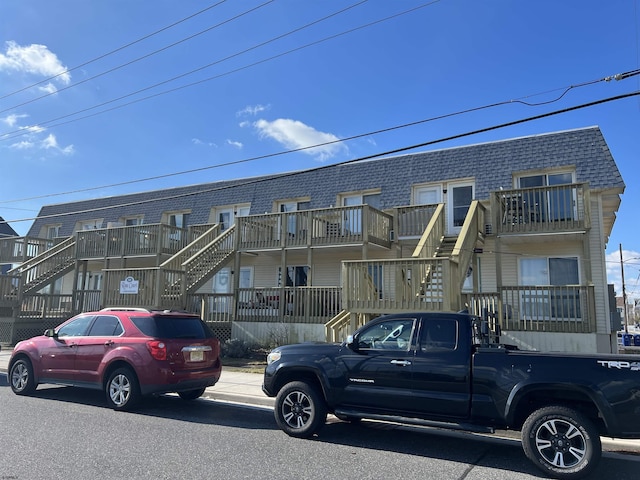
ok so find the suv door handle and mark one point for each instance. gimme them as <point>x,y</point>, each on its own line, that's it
<point>108,343</point>
<point>402,363</point>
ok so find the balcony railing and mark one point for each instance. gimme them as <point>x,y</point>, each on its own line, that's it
<point>314,305</point>
<point>9,289</point>
<point>412,220</point>
<point>21,249</point>
<point>313,228</point>
<point>549,308</point>
<point>131,241</point>
<point>553,209</point>
<point>403,285</point>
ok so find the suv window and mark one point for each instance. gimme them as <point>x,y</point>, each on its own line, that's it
<point>173,327</point>
<point>76,328</point>
<point>106,326</point>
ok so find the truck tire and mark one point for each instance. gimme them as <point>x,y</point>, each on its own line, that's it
<point>561,442</point>
<point>300,410</point>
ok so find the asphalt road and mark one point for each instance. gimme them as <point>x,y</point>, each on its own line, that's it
<point>67,433</point>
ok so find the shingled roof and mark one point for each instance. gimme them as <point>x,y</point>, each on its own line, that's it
<point>6,230</point>
<point>490,164</point>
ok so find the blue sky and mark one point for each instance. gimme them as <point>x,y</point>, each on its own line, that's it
<point>246,78</point>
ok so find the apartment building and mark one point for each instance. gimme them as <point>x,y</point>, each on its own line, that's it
<point>512,230</point>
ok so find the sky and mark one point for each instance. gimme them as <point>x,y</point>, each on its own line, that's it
<point>109,97</point>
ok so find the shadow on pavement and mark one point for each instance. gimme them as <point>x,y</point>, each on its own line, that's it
<point>460,447</point>
<point>203,411</point>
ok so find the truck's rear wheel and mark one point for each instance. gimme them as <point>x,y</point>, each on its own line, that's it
<point>561,442</point>
<point>300,410</point>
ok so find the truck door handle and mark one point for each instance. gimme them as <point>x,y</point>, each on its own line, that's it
<point>402,363</point>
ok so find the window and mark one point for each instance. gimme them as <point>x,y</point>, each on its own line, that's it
<point>439,335</point>
<point>295,276</point>
<point>76,328</point>
<point>558,292</point>
<point>53,231</point>
<point>132,221</point>
<point>549,204</point>
<point>226,216</point>
<point>90,224</point>
<point>179,220</point>
<point>106,326</point>
<point>352,223</point>
<point>292,227</point>
<point>389,335</point>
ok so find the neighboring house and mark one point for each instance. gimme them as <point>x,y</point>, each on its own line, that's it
<point>5,231</point>
<point>513,230</point>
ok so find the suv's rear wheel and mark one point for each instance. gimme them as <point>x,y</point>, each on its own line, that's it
<point>21,377</point>
<point>300,410</point>
<point>122,389</point>
<point>191,394</point>
<point>562,442</point>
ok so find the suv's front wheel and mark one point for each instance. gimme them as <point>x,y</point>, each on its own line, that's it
<point>300,410</point>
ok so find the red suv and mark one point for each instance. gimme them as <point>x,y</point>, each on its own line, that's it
<point>125,352</point>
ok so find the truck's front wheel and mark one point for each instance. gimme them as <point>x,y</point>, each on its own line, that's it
<point>300,410</point>
<point>561,442</point>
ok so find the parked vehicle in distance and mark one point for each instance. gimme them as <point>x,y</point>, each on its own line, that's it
<point>440,369</point>
<point>126,352</point>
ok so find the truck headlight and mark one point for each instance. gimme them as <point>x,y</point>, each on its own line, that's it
<point>273,357</point>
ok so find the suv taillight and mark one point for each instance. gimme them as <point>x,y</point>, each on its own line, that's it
<point>157,349</point>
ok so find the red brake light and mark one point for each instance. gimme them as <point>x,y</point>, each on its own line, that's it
<point>157,349</point>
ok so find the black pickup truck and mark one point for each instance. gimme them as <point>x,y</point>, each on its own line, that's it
<point>440,369</point>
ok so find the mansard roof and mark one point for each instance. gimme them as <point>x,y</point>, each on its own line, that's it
<point>491,165</point>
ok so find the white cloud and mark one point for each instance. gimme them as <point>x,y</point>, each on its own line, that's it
<point>34,58</point>
<point>48,88</point>
<point>23,145</point>
<point>244,124</point>
<point>233,143</point>
<point>294,134</point>
<point>12,119</point>
<point>33,128</point>
<point>197,141</point>
<point>52,143</point>
<point>252,110</point>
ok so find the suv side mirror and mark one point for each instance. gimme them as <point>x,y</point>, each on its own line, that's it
<point>50,332</point>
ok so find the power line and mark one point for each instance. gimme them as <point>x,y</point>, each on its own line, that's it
<point>346,162</point>
<point>118,67</point>
<point>104,55</point>
<point>346,139</point>
<point>24,131</point>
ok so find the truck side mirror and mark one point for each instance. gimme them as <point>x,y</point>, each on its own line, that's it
<point>352,343</point>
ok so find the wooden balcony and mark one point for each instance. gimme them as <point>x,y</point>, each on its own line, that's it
<point>540,210</point>
<point>313,305</point>
<point>403,285</point>
<point>338,226</point>
<point>131,241</point>
<point>546,308</point>
<point>412,220</point>
<point>21,249</point>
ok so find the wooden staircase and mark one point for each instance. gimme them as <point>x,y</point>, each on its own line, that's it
<point>42,270</point>
<point>192,266</point>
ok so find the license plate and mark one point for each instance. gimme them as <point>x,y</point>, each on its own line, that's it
<point>196,356</point>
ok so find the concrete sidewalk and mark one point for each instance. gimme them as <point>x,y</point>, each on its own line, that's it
<point>233,386</point>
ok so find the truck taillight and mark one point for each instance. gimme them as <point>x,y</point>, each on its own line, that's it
<point>157,349</point>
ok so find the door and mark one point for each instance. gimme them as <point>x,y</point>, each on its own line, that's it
<point>59,354</point>
<point>441,381</point>
<point>378,375</point>
<point>459,198</point>
<point>91,348</point>
<point>226,217</point>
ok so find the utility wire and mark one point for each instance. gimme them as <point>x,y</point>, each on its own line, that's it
<point>25,130</point>
<point>104,55</point>
<point>324,167</point>
<point>167,47</point>
<point>346,139</point>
